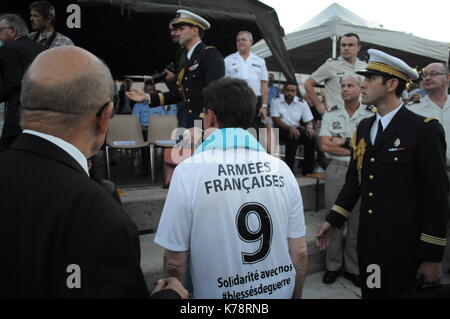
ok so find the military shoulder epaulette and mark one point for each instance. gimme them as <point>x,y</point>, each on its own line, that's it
<point>210,47</point>
<point>333,108</point>
<point>429,119</point>
<point>371,108</point>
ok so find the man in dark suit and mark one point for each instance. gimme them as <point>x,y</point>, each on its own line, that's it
<point>203,65</point>
<point>398,168</point>
<point>15,56</point>
<point>61,234</point>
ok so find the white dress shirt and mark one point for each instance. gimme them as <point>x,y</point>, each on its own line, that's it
<point>385,120</point>
<point>253,70</point>
<point>191,51</point>
<point>291,114</point>
<point>69,148</point>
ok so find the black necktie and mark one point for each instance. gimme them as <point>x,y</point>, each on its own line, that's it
<point>379,132</point>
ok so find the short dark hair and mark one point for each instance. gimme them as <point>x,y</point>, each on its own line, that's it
<point>401,84</point>
<point>45,9</point>
<point>232,100</point>
<point>351,34</point>
<point>290,83</point>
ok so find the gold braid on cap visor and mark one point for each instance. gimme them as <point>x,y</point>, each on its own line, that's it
<point>190,21</point>
<point>376,66</point>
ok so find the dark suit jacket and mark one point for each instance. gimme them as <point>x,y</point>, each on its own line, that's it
<point>53,215</point>
<point>15,58</point>
<point>403,185</point>
<point>206,65</point>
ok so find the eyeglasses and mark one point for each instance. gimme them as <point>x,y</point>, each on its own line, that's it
<point>432,74</point>
<point>102,108</point>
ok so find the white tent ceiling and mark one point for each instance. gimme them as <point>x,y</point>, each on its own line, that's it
<point>311,45</point>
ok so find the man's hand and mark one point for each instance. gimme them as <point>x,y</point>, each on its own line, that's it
<point>294,133</point>
<point>339,140</point>
<point>170,283</point>
<point>137,95</point>
<point>262,112</point>
<point>323,235</point>
<point>170,76</point>
<point>430,271</point>
<point>310,132</point>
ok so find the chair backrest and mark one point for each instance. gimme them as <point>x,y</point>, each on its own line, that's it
<point>160,127</point>
<point>123,130</point>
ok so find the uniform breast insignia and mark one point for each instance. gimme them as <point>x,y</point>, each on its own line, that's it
<point>396,147</point>
<point>193,67</point>
<point>358,154</point>
<point>429,119</point>
<point>333,108</point>
<point>371,108</point>
<point>337,126</point>
<point>256,65</point>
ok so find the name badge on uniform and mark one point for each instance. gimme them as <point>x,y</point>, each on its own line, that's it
<point>337,126</point>
<point>256,65</point>
<point>193,67</point>
<point>340,73</point>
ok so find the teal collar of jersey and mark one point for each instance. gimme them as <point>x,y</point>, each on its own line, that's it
<point>231,137</point>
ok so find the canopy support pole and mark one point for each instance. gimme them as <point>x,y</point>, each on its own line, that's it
<point>334,38</point>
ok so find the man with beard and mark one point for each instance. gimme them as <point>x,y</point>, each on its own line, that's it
<point>42,17</point>
<point>287,111</point>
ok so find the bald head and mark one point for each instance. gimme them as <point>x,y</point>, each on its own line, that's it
<point>66,80</point>
<point>435,78</point>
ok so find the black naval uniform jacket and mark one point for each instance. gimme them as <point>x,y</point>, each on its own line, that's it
<point>52,216</point>
<point>403,185</point>
<point>205,65</point>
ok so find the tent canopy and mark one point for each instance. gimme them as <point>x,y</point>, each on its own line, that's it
<point>132,35</point>
<point>311,45</point>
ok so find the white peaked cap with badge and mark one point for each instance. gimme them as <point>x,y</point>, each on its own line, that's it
<point>383,63</point>
<point>188,17</point>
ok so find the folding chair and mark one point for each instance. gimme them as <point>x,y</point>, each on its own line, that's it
<point>160,134</point>
<point>124,132</point>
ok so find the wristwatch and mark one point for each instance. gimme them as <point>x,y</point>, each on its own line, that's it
<point>264,105</point>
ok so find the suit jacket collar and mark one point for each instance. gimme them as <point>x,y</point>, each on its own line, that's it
<point>42,147</point>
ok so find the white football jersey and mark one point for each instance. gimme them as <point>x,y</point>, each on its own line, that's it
<point>234,210</point>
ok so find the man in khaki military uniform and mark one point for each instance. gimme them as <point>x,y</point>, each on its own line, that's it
<point>332,71</point>
<point>338,127</point>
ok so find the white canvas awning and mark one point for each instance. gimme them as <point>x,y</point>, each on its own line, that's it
<point>311,45</point>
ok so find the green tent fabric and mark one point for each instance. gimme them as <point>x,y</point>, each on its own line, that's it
<point>132,36</point>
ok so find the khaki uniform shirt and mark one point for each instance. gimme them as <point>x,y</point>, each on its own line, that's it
<point>331,73</point>
<point>337,123</point>
<point>428,108</point>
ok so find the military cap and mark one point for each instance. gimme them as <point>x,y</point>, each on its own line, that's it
<point>190,18</point>
<point>382,63</point>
